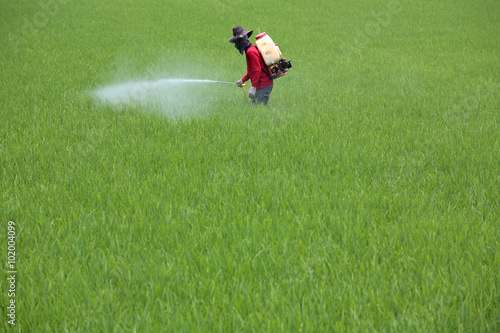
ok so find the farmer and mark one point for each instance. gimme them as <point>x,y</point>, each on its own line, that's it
<point>262,84</point>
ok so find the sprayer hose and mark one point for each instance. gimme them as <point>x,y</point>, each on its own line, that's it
<point>244,93</point>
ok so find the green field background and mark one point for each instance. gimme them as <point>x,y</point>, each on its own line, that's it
<point>365,197</point>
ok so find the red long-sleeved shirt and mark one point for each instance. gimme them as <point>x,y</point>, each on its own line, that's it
<point>255,69</point>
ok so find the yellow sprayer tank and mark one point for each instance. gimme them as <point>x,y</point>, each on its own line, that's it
<point>269,51</point>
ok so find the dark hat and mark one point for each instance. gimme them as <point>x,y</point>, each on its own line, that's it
<point>239,32</point>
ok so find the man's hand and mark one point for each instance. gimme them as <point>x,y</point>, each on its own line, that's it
<point>239,83</point>
<point>251,92</point>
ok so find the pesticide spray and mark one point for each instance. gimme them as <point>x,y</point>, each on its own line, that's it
<point>175,97</point>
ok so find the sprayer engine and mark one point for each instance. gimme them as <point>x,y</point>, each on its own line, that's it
<point>279,69</point>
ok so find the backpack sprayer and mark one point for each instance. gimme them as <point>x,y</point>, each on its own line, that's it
<point>276,66</point>
<point>271,54</point>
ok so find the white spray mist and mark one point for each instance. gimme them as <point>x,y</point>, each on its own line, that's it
<point>174,97</point>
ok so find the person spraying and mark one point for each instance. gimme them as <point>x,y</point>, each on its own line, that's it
<point>257,71</point>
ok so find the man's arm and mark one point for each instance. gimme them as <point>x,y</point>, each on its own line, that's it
<point>253,69</point>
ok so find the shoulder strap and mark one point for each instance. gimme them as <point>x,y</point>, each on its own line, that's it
<point>264,67</point>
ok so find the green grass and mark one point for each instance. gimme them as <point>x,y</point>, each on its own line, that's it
<point>365,197</point>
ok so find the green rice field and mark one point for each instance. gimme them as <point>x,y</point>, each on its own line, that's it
<point>365,197</point>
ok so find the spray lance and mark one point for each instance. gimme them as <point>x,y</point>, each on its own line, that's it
<point>232,83</point>
<point>203,81</point>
